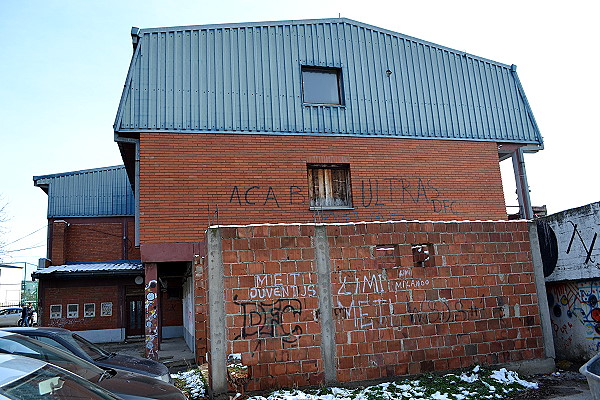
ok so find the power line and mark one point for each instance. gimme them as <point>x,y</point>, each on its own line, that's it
<point>26,248</point>
<point>14,241</point>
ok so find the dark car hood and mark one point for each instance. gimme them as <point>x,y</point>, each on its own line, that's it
<point>133,364</point>
<point>132,386</point>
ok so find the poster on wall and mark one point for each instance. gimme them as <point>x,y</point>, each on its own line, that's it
<point>106,309</point>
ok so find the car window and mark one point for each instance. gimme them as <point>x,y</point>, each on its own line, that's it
<point>52,383</point>
<point>95,352</point>
<point>4,312</point>
<point>50,341</point>
<point>28,347</point>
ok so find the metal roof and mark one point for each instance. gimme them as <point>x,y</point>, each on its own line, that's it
<point>98,268</point>
<point>100,192</point>
<point>246,78</point>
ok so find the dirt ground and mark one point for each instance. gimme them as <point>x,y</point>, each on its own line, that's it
<point>557,386</point>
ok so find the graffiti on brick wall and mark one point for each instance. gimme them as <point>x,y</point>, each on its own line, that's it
<point>362,299</point>
<point>269,319</point>
<point>373,194</point>
<point>454,310</point>
<point>292,284</point>
<point>575,312</point>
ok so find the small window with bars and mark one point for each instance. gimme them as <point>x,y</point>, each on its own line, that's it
<point>329,186</point>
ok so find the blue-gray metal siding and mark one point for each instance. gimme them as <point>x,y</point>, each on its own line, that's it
<point>245,78</point>
<point>102,192</point>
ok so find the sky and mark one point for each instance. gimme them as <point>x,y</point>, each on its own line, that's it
<point>63,65</point>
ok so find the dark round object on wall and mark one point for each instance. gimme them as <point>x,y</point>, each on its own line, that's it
<point>557,311</point>
<point>548,247</point>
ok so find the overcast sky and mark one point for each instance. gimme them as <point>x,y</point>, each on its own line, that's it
<point>63,65</point>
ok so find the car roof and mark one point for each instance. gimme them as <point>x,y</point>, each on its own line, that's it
<point>59,331</point>
<point>13,367</point>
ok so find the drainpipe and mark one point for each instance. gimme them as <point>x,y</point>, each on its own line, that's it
<point>525,209</point>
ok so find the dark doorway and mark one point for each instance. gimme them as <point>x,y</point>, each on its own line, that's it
<point>134,325</point>
<point>134,312</point>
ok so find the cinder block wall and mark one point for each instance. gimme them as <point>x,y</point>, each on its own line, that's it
<point>190,181</point>
<point>314,304</point>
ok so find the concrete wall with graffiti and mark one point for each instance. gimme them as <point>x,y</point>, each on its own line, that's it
<point>312,304</point>
<point>568,243</point>
<point>571,259</point>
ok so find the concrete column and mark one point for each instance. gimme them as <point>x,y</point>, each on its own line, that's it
<point>540,285</point>
<point>216,316</point>
<point>152,302</point>
<point>325,304</point>
<point>525,208</point>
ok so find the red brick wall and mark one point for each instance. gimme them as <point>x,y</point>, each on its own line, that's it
<point>81,291</point>
<point>473,301</point>
<point>263,179</point>
<point>93,239</point>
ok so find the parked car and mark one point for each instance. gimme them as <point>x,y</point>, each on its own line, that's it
<point>10,316</point>
<point>24,378</point>
<point>69,341</point>
<point>127,385</point>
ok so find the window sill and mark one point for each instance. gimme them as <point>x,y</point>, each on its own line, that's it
<point>331,208</point>
<point>323,105</point>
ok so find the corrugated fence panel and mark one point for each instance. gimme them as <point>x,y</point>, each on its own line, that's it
<point>246,78</point>
<point>102,192</point>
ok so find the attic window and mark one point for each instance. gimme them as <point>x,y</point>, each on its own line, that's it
<point>322,85</point>
<point>329,186</point>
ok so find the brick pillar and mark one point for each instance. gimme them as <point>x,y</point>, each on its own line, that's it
<point>152,310</point>
<point>58,242</point>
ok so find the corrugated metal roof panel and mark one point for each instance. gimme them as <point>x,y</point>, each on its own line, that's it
<point>100,192</point>
<point>246,78</point>
<point>91,268</point>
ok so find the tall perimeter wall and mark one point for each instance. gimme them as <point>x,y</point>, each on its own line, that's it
<point>315,304</point>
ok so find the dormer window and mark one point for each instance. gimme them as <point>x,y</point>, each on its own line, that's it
<point>322,85</point>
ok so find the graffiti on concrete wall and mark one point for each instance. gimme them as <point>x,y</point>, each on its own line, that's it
<point>569,245</point>
<point>575,313</point>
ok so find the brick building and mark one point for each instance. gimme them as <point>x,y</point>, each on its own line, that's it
<point>315,121</point>
<point>93,283</point>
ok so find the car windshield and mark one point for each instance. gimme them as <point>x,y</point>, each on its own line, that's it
<point>50,382</point>
<point>25,346</point>
<point>92,350</point>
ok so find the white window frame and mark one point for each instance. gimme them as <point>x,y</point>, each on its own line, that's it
<point>72,314</point>
<point>90,313</point>
<point>56,314</point>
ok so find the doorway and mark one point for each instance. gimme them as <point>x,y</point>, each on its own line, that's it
<point>134,312</point>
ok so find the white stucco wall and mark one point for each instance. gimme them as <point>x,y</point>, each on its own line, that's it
<point>10,285</point>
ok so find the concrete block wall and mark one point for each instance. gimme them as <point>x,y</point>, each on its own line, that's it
<point>570,251</point>
<point>314,304</point>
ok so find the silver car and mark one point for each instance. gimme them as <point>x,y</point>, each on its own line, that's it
<point>10,316</point>
<point>126,385</point>
<point>24,378</point>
